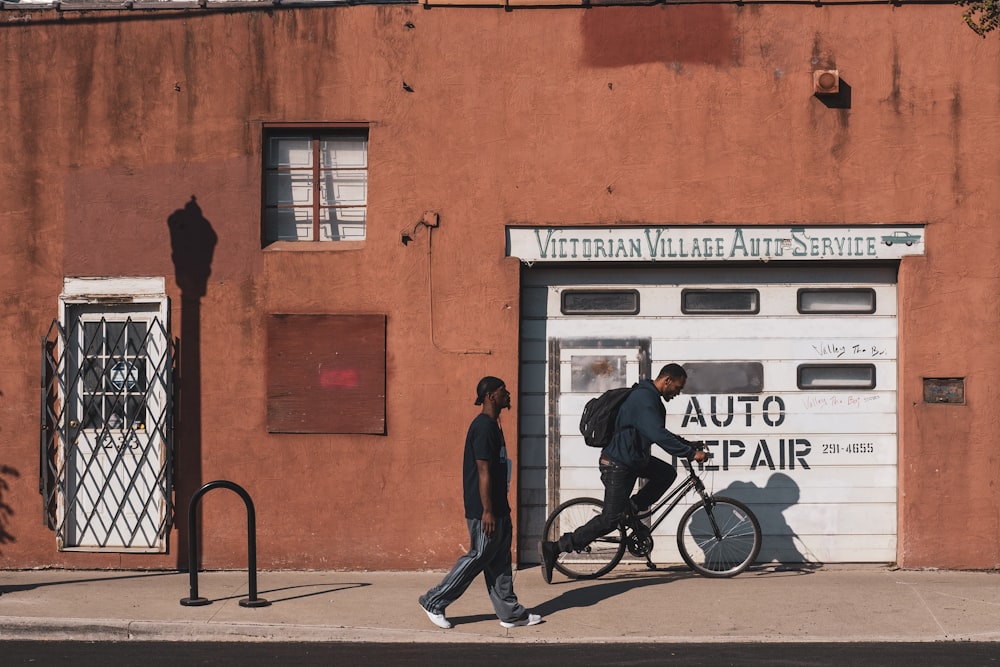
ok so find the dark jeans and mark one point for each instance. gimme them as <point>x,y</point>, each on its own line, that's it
<point>618,480</point>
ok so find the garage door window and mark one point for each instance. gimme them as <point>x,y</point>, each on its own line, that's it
<point>600,302</point>
<point>836,376</point>
<point>725,377</point>
<point>720,301</point>
<point>851,301</point>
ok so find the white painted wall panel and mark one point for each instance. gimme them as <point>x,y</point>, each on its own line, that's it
<point>585,479</point>
<point>726,329</point>
<point>749,410</point>
<point>828,348</point>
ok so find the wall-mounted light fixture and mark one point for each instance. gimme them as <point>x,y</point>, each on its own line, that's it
<point>826,81</point>
<point>430,219</point>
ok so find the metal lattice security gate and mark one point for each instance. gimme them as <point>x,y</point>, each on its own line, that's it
<point>106,437</point>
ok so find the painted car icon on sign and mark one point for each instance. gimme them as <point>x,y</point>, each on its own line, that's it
<point>900,237</point>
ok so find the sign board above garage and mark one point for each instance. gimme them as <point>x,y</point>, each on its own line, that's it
<point>713,244</point>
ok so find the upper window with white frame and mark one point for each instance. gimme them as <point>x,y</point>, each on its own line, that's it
<point>315,184</point>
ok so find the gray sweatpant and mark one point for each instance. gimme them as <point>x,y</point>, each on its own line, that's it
<point>491,556</point>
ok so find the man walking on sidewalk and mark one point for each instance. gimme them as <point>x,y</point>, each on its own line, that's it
<point>487,513</point>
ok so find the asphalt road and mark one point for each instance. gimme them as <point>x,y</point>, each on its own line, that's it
<point>153,654</point>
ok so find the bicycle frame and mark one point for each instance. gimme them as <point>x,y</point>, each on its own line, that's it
<point>674,497</point>
<point>716,536</point>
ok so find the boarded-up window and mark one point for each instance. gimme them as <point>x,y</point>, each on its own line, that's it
<point>717,301</point>
<point>326,374</point>
<point>724,377</point>
<point>600,302</point>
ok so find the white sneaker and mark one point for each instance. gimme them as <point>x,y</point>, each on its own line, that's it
<point>527,619</point>
<point>437,619</point>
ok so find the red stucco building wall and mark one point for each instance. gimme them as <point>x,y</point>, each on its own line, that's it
<point>674,115</point>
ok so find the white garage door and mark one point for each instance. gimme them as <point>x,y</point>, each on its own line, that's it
<point>792,377</point>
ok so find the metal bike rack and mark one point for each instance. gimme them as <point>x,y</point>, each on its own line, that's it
<point>194,600</point>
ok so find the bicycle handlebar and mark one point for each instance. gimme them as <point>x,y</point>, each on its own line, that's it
<point>700,446</point>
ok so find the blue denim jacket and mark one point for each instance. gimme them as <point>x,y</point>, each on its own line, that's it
<point>641,422</point>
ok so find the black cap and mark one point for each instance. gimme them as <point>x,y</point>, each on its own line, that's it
<point>486,385</point>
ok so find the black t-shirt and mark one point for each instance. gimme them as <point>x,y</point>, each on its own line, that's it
<point>484,442</point>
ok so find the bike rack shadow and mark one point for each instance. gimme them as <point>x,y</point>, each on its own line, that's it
<point>19,588</point>
<point>193,600</point>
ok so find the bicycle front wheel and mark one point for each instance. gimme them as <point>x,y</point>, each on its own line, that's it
<point>600,556</point>
<point>720,539</point>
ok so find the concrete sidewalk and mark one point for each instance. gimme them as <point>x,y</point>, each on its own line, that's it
<point>766,604</point>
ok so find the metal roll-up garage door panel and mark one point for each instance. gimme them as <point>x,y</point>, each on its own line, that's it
<point>795,388</point>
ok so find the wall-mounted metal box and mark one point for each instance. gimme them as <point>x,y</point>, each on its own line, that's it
<point>944,390</point>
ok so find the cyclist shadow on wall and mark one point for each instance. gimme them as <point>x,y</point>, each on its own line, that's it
<point>780,544</point>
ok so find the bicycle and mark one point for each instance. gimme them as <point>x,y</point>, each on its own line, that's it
<point>717,536</point>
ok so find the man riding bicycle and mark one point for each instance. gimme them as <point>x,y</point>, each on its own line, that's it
<point>640,423</point>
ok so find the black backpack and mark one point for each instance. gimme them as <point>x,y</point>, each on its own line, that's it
<point>597,423</point>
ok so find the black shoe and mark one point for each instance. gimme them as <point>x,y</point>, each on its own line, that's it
<point>549,551</point>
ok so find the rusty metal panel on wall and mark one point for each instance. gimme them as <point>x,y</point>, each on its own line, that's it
<point>326,374</point>
<point>944,390</point>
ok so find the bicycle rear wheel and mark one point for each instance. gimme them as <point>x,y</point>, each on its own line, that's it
<point>721,539</point>
<point>600,556</point>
